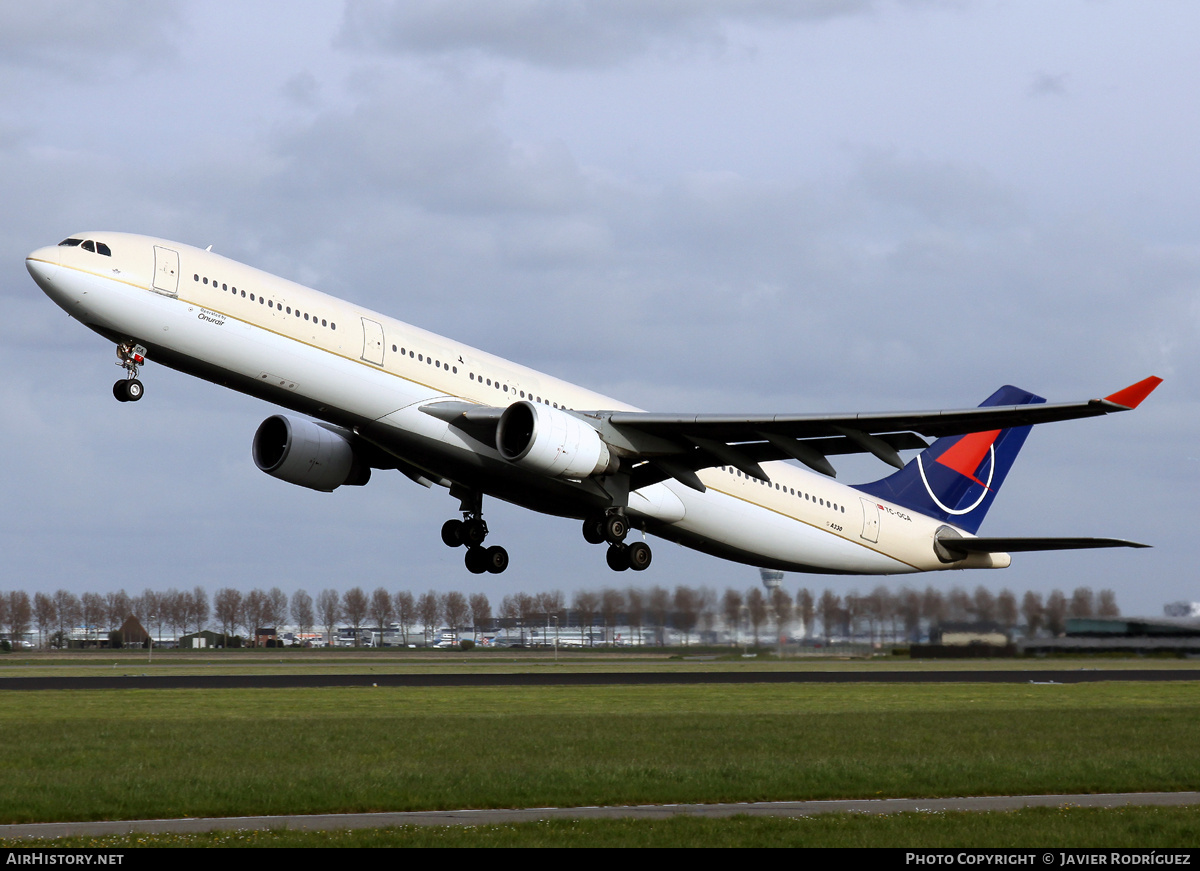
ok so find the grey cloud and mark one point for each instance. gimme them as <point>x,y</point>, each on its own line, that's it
<point>11,137</point>
<point>566,33</point>
<point>942,193</point>
<point>1048,85</point>
<point>72,37</point>
<point>430,145</point>
<point>302,89</point>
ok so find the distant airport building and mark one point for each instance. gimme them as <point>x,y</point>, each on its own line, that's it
<point>133,634</point>
<point>207,640</point>
<point>959,640</point>
<point>959,634</point>
<point>1121,635</point>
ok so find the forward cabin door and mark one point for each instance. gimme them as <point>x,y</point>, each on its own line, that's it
<point>372,342</point>
<point>166,271</point>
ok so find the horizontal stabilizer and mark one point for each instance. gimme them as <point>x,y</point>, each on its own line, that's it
<point>959,547</point>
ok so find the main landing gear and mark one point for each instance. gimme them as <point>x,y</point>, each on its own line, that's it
<point>612,528</point>
<point>131,357</point>
<point>471,531</point>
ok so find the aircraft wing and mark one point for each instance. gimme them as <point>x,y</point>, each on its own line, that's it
<point>660,446</point>
<point>743,442</point>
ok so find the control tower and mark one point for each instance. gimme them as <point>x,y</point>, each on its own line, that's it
<point>771,579</point>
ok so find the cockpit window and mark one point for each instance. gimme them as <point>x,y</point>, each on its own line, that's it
<point>88,245</point>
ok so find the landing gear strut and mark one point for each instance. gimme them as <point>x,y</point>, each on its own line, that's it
<point>129,356</point>
<point>612,528</point>
<point>471,531</point>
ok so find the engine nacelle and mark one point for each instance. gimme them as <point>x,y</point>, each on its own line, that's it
<point>552,442</point>
<point>305,453</point>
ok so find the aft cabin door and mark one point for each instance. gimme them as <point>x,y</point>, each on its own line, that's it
<point>166,271</point>
<point>870,530</point>
<point>372,342</point>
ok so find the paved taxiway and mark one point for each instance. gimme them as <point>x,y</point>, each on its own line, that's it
<point>504,816</point>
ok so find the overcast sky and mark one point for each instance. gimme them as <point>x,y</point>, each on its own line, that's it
<point>693,205</point>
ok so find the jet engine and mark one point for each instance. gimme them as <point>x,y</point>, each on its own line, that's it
<point>302,452</point>
<point>552,442</point>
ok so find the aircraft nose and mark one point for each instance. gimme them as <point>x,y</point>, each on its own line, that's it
<point>43,265</point>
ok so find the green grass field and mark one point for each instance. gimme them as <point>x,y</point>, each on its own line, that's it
<point>128,754</point>
<point>139,753</point>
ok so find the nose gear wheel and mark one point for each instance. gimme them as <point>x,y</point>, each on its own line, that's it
<point>129,390</point>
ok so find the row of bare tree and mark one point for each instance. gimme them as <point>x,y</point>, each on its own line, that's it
<point>57,615</point>
<point>880,614</point>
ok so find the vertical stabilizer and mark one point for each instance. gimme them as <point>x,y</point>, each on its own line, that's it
<point>957,477</point>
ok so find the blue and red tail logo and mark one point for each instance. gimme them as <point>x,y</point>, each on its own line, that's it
<point>956,478</point>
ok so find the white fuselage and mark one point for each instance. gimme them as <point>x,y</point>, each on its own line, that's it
<point>231,324</point>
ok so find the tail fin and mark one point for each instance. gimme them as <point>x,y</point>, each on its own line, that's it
<point>957,477</point>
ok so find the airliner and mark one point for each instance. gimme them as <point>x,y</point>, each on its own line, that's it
<point>368,392</point>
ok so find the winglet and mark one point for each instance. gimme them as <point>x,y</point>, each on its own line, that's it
<point>1132,396</point>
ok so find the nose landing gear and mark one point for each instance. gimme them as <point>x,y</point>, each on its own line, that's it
<point>130,356</point>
